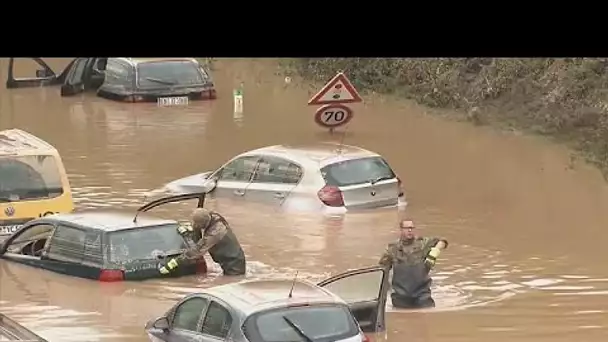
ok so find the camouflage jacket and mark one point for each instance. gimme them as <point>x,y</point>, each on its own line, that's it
<point>216,231</point>
<point>408,253</point>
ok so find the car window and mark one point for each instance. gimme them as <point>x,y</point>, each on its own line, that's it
<point>67,244</point>
<point>145,243</point>
<point>356,171</point>
<point>117,74</point>
<point>25,178</point>
<point>277,170</point>
<point>362,287</point>
<point>217,321</point>
<point>239,170</point>
<point>328,322</point>
<point>92,249</point>
<point>168,73</point>
<point>30,234</point>
<point>188,314</point>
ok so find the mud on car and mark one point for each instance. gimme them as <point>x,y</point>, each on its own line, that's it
<point>103,245</point>
<point>169,80</point>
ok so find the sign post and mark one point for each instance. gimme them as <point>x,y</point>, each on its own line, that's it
<point>332,97</point>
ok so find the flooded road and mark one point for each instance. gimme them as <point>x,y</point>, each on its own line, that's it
<point>526,227</point>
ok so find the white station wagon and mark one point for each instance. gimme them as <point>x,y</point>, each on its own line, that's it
<point>327,176</point>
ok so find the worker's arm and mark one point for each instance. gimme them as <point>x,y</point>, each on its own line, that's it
<point>435,245</point>
<point>211,237</point>
<point>386,259</point>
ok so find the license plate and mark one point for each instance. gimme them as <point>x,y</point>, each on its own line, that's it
<point>173,101</point>
<point>7,230</point>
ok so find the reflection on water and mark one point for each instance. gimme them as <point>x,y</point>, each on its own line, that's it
<point>497,199</point>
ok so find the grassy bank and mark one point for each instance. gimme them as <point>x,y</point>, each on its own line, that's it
<point>562,98</point>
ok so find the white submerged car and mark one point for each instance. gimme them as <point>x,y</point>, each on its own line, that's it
<point>327,176</point>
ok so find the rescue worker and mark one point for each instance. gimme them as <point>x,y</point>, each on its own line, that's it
<point>412,258</point>
<point>211,233</point>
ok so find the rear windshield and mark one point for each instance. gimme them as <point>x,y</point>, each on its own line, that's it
<point>29,178</point>
<point>357,171</point>
<point>144,243</point>
<point>168,73</point>
<point>320,323</point>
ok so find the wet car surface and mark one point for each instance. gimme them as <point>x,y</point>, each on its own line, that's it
<point>279,310</point>
<point>515,271</point>
<point>13,331</point>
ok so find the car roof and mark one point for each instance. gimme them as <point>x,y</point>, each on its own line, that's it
<point>139,60</point>
<point>256,295</point>
<point>16,141</point>
<point>108,220</point>
<point>323,153</point>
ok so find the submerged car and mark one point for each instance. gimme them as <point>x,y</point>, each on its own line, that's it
<point>338,309</point>
<point>33,180</point>
<point>13,331</point>
<point>327,176</point>
<point>168,81</point>
<point>103,245</point>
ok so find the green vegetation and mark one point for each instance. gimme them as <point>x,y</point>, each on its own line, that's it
<point>563,98</point>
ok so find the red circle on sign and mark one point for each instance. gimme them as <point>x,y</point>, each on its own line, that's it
<point>333,115</point>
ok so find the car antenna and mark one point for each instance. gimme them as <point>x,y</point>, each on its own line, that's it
<point>293,284</point>
<point>137,212</point>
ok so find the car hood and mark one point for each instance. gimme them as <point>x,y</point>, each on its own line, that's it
<point>188,184</point>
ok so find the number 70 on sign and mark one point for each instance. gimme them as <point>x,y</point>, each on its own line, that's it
<point>333,115</point>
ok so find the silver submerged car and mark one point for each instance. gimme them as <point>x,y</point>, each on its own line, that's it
<point>328,176</point>
<point>338,309</point>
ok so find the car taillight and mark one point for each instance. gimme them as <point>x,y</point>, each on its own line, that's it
<point>331,196</point>
<point>111,275</point>
<point>399,184</point>
<point>364,338</point>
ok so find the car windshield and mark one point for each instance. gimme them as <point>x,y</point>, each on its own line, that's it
<point>357,171</point>
<point>26,178</point>
<point>168,73</point>
<point>144,243</point>
<point>318,323</point>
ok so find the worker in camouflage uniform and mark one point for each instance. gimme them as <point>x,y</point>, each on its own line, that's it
<point>412,258</point>
<point>210,233</point>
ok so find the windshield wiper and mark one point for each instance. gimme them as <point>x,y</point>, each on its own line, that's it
<point>379,179</point>
<point>297,329</point>
<point>158,80</point>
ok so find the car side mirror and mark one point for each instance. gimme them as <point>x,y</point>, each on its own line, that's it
<point>44,73</point>
<point>161,323</point>
<point>209,185</point>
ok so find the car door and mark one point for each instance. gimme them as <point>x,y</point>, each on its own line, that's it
<point>45,76</point>
<point>217,323</point>
<point>365,291</point>
<point>75,78</point>
<point>273,180</point>
<point>185,321</point>
<point>27,237</point>
<point>234,178</point>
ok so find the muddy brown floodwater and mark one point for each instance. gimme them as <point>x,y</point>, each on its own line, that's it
<point>527,226</point>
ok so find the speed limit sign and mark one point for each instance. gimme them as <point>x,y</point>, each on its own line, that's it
<point>333,115</point>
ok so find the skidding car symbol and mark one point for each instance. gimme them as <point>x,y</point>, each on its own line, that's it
<point>123,79</point>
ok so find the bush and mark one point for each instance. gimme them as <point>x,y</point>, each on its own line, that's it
<point>560,97</point>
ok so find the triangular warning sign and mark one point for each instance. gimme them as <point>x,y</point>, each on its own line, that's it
<point>337,90</point>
